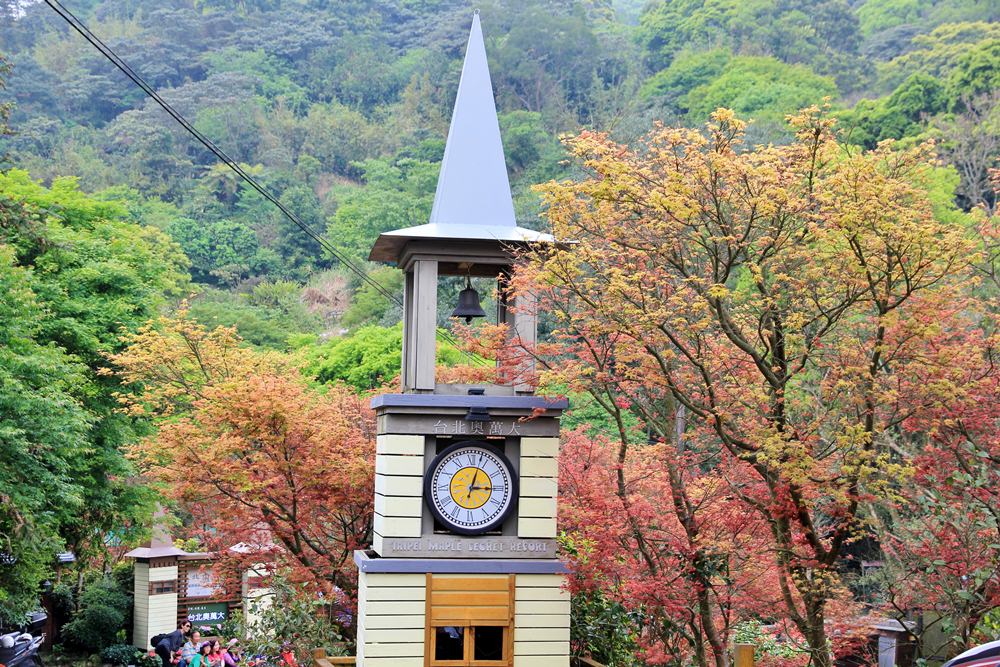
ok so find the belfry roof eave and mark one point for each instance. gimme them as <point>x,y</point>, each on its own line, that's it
<point>390,245</point>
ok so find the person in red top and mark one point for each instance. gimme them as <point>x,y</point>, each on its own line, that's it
<point>215,655</point>
<point>287,656</point>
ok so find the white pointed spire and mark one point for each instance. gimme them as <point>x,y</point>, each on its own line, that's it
<point>473,188</point>
<point>473,201</point>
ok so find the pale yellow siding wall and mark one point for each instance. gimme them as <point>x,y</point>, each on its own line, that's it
<point>256,601</point>
<point>152,614</point>
<point>391,611</point>
<point>140,607</point>
<point>163,574</point>
<point>399,470</point>
<point>162,613</point>
<point>536,510</point>
<point>541,621</point>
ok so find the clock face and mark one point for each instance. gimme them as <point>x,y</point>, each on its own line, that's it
<point>470,488</point>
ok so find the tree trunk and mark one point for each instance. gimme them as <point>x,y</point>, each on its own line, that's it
<point>815,633</point>
<point>682,506</point>
<point>711,632</point>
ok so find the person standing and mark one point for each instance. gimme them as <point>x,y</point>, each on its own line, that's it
<point>171,644</point>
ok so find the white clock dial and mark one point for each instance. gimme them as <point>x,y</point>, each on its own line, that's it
<point>470,488</point>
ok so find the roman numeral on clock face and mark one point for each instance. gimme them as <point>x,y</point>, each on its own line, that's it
<point>468,489</point>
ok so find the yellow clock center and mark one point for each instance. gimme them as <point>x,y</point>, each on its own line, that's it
<point>471,488</point>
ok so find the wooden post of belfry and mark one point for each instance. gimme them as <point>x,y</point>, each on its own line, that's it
<point>743,655</point>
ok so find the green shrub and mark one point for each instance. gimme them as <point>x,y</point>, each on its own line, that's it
<point>121,654</point>
<point>104,610</point>
<point>765,644</point>
<point>292,615</point>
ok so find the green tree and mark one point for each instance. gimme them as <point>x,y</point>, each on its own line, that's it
<point>687,71</point>
<point>823,35</point>
<point>880,15</point>
<point>369,305</point>
<point>274,78</point>
<point>94,275</point>
<point>977,73</point>
<point>528,143</point>
<point>267,316</point>
<point>938,52</point>
<point>105,608</point>
<point>762,88</point>
<point>217,249</point>
<point>43,435</point>
<point>5,107</point>
<point>905,113</point>
<point>299,251</point>
<point>548,58</point>
<point>337,136</point>
<point>398,193</point>
<point>366,359</point>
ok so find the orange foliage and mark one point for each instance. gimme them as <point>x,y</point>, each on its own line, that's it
<point>260,459</point>
<point>762,310</point>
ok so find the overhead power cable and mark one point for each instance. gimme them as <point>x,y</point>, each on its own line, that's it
<point>118,62</point>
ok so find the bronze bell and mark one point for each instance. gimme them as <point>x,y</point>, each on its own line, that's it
<point>468,303</point>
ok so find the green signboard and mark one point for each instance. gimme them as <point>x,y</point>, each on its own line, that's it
<point>210,615</point>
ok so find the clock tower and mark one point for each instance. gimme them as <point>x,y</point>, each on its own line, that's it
<point>463,568</point>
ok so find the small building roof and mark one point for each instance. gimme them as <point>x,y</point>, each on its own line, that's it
<point>165,551</point>
<point>473,200</point>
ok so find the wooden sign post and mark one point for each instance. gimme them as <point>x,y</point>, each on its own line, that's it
<point>743,655</point>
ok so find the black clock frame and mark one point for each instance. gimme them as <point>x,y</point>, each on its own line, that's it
<point>515,488</point>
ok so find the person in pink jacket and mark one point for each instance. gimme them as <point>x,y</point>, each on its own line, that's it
<point>231,654</point>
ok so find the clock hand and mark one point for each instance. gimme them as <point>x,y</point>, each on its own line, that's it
<point>472,485</point>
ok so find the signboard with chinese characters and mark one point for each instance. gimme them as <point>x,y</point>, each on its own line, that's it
<point>457,426</point>
<point>210,615</point>
<point>200,584</point>
<point>496,429</point>
<point>457,546</point>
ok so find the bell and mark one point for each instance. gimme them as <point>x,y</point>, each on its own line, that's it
<point>468,303</point>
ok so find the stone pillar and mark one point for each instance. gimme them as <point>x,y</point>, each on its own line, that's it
<point>257,598</point>
<point>541,621</point>
<point>420,326</point>
<point>536,509</point>
<point>140,607</point>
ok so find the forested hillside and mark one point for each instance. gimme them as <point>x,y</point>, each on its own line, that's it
<point>111,215</point>
<point>341,108</point>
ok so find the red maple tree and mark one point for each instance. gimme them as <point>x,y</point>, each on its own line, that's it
<point>270,469</point>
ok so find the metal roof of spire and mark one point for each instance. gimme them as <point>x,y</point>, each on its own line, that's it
<point>473,199</point>
<point>473,186</point>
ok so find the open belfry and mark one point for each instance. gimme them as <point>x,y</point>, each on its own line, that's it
<point>463,567</point>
